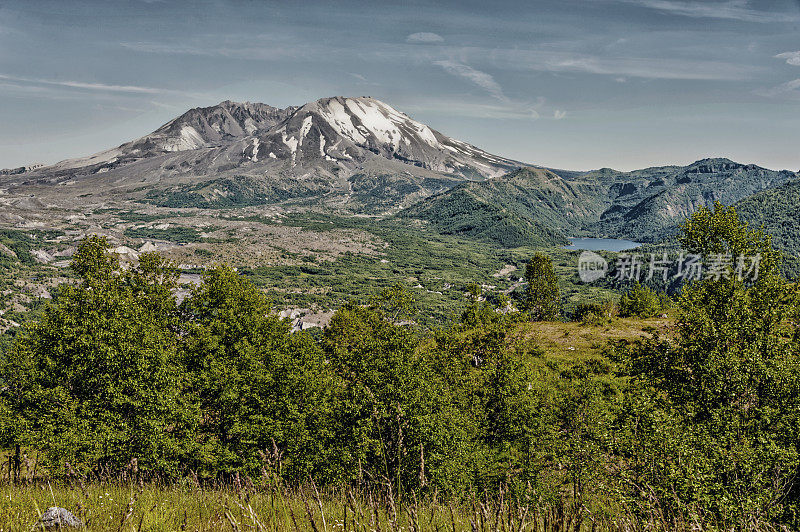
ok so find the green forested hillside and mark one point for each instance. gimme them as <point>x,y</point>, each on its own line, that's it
<point>649,203</point>
<point>530,206</point>
<point>643,205</point>
<point>465,213</point>
<point>778,212</point>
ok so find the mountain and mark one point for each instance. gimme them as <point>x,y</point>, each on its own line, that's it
<point>360,156</point>
<point>777,211</point>
<point>357,154</point>
<point>202,127</point>
<point>527,206</point>
<point>646,205</point>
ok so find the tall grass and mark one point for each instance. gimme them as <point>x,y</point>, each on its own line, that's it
<point>155,507</point>
<point>124,502</point>
<point>239,505</point>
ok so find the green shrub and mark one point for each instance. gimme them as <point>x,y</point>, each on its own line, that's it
<point>642,302</point>
<point>595,313</point>
<point>181,235</point>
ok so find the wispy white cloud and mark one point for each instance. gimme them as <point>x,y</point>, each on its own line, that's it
<point>363,80</point>
<point>424,37</point>
<point>467,109</point>
<point>257,48</point>
<point>789,88</point>
<point>459,60</point>
<point>472,108</point>
<point>477,77</point>
<point>730,9</point>
<point>784,89</point>
<point>616,66</point>
<point>792,58</point>
<point>165,48</point>
<point>86,86</point>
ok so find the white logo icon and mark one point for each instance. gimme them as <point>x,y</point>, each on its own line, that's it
<point>591,267</point>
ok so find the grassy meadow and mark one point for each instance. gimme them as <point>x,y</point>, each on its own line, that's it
<point>124,506</point>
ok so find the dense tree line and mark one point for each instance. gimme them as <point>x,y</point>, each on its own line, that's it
<point>702,424</point>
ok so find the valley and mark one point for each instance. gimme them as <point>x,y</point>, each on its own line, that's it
<point>331,201</point>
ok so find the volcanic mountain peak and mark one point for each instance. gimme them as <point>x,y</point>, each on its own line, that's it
<point>211,126</point>
<point>337,134</point>
<point>358,119</point>
<point>347,130</point>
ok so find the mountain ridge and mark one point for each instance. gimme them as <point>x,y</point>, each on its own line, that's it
<point>360,156</point>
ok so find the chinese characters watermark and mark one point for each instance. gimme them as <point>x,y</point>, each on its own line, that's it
<point>685,266</point>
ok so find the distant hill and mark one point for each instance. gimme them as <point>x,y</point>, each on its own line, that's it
<point>463,212</point>
<point>643,205</point>
<point>528,206</point>
<point>646,205</point>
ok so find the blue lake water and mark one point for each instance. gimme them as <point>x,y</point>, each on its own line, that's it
<point>605,244</point>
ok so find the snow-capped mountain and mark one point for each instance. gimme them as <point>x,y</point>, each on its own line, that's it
<point>345,130</point>
<point>348,149</point>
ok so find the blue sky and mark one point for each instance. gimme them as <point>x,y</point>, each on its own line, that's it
<point>564,83</point>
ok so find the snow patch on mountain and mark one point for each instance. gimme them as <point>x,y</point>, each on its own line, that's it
<point>189,139</point>
<point>340,120</point>
<point>291,142</point>
<point>307,122</point>
<point>254,157</point>
<point>250,126</point>
<point>375,122</point>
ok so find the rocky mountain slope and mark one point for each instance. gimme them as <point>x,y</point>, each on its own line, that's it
<point>646,205</point>
<point>358,154</point>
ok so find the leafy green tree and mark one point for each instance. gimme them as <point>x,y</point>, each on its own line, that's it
<point>96,381</point>
<point>532,424</point>
<point>474,291</point>
<point>257,386</point>
<point>397,302</point>
<point>392,416</point>
<point>718,408</point>
<point>641,301</point>
<point>543,301</point>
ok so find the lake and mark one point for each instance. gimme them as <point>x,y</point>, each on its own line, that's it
<point>605,244</point>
